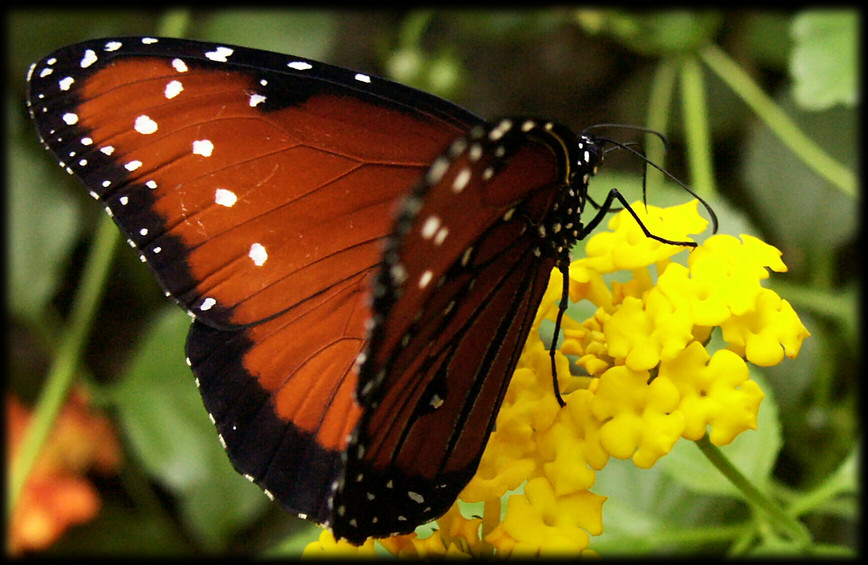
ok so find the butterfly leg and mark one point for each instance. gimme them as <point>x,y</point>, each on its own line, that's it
<point>563,267</point>
<point>613,195</point>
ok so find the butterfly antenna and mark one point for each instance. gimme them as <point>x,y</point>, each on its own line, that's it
<point>650,131</point>
<point>613,210</point>
<point>630,148</point>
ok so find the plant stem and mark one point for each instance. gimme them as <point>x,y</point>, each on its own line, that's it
<point>174,22</point>
<point>66,360</point>
<point>696,128</point>
<point>659,105</point>
<point>777,120</point>
<point>779,518</point>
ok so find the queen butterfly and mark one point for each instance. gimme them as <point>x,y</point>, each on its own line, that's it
<point>362,260</point>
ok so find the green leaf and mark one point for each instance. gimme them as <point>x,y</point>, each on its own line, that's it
<point>754,453</point>
<point>504,25</point>
<point>647,511</point>
<point>168,428</point>
<point>654,32</point>
<point>843,481</point>
<point>306,33</point>
<point>43,225</point>
<point>825,60</point>
<point>845,478</point>
<point>801,210</point>
<point>120,530</point>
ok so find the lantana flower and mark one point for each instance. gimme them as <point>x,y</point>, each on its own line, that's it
<point>57,495</point>
<point>644,375</point>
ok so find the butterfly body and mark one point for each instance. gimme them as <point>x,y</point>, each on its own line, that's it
<point>363,261</point>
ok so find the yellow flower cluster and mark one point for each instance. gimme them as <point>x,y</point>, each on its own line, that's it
<point>652,378</point>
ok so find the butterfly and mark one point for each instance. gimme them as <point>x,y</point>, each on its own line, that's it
<point>363,261</point>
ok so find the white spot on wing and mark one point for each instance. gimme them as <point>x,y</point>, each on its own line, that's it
<point>70,118</point>
<point>465,258</point>
<point>425,279</point>
<point>258,254</point>
<point>299,65</point>
<point>207,304</point>
<point>362,78</point>
<point>475,153</point>
<point>179,65</point>
<point>65,83</point>
<point>399,274</point>
<point>440,236</point>
<point>437,170</point>
<point>500,129</point>
<point>225,197</point>
<point>145,125</point>
<point>132,165</point>
<point>173,89</point>
<point>203,147</point>
<point>220,54</point>
<point>88,59</point>
<point>430,227</point>
<point>461,180</point>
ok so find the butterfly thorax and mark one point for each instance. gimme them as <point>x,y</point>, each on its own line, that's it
<point>580,158</point>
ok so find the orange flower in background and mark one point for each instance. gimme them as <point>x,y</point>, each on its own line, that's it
<point>56,494</point>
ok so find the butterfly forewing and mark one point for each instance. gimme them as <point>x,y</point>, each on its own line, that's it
<point>259,188</point>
